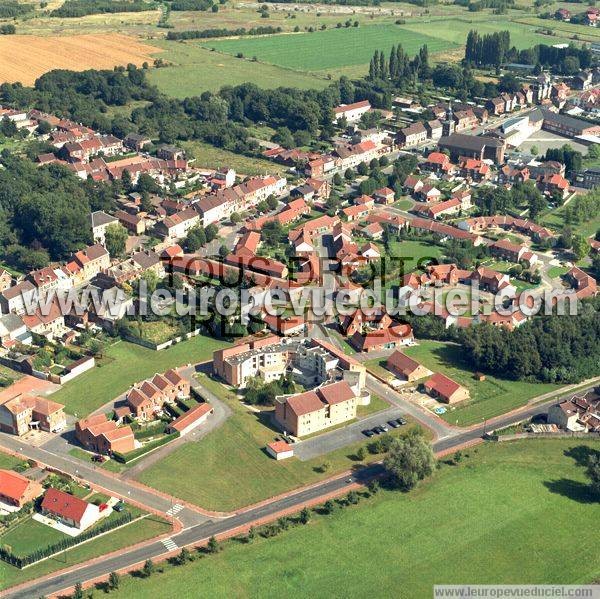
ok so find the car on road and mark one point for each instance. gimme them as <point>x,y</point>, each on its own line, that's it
<point>393,423</point>
<point>368,432</point>
<point>401,421</point>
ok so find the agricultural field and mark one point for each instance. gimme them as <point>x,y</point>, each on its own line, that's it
<point>489,398</point>
<point>124,364</point>
<point>493,509</point>
<point>25,58</point>
<point>331,49</point>
<point>456,30</point>
<point>193,69</point>
<point>233,459</point>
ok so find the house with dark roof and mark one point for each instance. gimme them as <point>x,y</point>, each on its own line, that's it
<point>406,368</point>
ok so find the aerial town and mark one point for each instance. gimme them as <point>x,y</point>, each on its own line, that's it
<point>286,283</point>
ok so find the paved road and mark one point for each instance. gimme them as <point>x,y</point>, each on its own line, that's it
<point>215,420</point>
<point>199,532</point>
<point>96,476</point>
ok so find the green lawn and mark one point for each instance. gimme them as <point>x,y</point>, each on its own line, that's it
<point>124,364</point>
<point>489,398</point>
<point>196,69</point>
<point>208,156</point>
<point>507,514</point>
<point>414,253</point>
<point>555,219</point>
<point>557,271</point>
<point>230,466</point>
<point>330,49</point>
<point>8,462</point>
<point>29,534</point>
<point>131,534</point>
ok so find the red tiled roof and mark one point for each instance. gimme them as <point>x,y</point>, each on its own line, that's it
<point>442,385</point>
<point>64,505</point>
<point>13,485</point>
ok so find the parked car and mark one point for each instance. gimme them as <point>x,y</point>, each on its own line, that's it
<point>119,507</point>
<point>384,428</point>
<point>378,430</point>
<point>368,432</point>
<point>393,423</point>
<point>98,458</point>
<point>401,421</point>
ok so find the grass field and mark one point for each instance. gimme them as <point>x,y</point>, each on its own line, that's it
<point>208,156</point>
<point>414,252</point>
<point>330,49</point>
<point>196,69</point>
<point>507,514</point>
<point>124,364</point>
<point>489,398</point>
<point>456,30</point>
<point>135,532</point>
<point>231,468</point>
<point>555,220</point>
<point>25,58</point>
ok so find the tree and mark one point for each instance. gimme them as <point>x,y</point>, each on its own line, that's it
<point>148,568</point>
<point>337,180</point>
<point>251,533</point>
<point>223,251</point>
<point>328,506</point>
<point>361,454</point>
<point>305,515</point>
<point>78,591</point>
<point>373,486</point>
<point>593,473</point>
<point>353,497</point>
<point>594,151</point>
<point>116,240</point>
<point>184,556</point>
<point>213,545</point>
<point>410,460</point>
<point>534,150</point>
<point>195,239</point>
<point>113,581</point>
<point>211,232</point>
<point>235,218</point>
<point>580,246</point>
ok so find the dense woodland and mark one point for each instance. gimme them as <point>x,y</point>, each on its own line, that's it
<point>81,8</point>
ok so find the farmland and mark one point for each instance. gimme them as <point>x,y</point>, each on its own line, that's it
<point>25,58</point>
<point>512,513</point>
<point>193,69</point>
<point>331,49</point>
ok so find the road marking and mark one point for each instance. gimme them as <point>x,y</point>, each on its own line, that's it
<point>174,510</point>
<point>170,544</point>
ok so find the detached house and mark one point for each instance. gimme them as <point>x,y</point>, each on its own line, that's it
<point>445,389</point>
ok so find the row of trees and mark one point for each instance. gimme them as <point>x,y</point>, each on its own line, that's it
<point>400,67</point>
<point>191,34</point>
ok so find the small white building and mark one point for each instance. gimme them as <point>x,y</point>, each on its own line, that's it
<point>280,450</point>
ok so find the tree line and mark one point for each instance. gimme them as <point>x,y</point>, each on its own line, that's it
<point>192,34</point>
<point>80,8</point>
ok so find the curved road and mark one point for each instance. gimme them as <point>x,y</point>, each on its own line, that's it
<point>198,528</point>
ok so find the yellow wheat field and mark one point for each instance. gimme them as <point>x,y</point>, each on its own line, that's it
<point>25,57</point>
